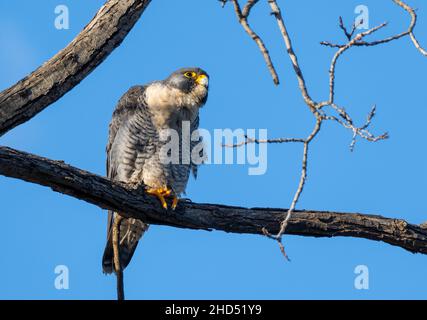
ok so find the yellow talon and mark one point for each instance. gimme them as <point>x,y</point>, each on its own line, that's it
<point>164,203</point>
<point>174,203</point>
<point>160,194</point>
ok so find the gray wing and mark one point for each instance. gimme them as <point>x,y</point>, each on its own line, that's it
<point>131,135</point>
<point>125,110</point>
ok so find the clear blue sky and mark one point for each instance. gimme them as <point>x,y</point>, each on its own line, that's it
<point>42,229</point>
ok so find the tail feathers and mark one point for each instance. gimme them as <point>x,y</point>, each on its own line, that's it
<point>131,231</point>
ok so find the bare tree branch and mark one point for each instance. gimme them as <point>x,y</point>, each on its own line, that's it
<point>316,108</point>
<point>249,140</point>
<point>242,16</point>
<point>276,12</point>
<point>66,69</point>
<point>348,34</point>
<point>137,204</point>
<point>414,17</point>
<point>409,31</point>
<point>116,258</point>
<point>337,55</point>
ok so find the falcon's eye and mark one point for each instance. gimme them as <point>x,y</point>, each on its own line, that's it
<point>190,74</point>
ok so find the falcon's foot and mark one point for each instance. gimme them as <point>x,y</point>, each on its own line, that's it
<point>161,193</point>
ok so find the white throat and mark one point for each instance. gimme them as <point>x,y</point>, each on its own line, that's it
<point>170,105</point>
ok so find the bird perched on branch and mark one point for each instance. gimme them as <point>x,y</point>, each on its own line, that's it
<point>136,150</point>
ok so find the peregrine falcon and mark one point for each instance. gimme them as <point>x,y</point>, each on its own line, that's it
<point>135,144</point>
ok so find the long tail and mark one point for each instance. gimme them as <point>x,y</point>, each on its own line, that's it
<point>131,230</point>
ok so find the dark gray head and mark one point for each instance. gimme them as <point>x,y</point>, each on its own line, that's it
<point>188,79</point>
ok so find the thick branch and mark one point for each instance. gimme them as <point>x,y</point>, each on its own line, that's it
<point>133,203</point>
<point>66,69</point>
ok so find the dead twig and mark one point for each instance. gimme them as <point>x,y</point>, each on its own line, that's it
<point>116,257</point>
<point>409,32</point>
<point>249,140</point>
<point>242,16</point>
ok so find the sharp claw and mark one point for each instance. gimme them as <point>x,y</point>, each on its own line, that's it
<point>164,203</point>
<point>160,194</point>
<point>174,203</point>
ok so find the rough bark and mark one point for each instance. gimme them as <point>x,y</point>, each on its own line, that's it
<point>66,69</point>
<point>134,203</point>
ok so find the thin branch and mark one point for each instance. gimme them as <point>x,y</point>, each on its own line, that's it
<point>302,180</point>
<point>248,7</point>
<point>338,54</point>
<point>417,45</point>
<point>137,204</point>
<point>412,26</point>
<point>409,31</point>
<point>276,12</point>
<point>297,195</point>
<point>346,120</point>
<point>362,131</point>
<point>243,20</point>
<point>116,258</point>
<point>354,27</point>
<point>344,29</point>
<point>71,65</point>
<point>249,140</point>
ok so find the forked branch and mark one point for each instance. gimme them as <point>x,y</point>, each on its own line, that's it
<point>342,117</point>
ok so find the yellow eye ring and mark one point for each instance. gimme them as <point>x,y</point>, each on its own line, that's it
<point>190,74</point>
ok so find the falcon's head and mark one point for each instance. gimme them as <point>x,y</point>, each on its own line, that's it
<point>193,81</point>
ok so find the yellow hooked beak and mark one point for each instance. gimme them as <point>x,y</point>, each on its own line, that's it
<point>203,80</point>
